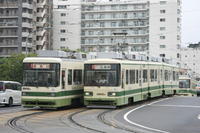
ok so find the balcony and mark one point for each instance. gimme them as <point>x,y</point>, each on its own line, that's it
<point>26,24</point>
<point>7,15</point>
<point>116,27</point>
<point>24,44</point>
<point>8,24</point>
<point>9,5</point>
<point>8,36</point>
<point>9,46</point>
<point>115,11</point>
<point>27,5</point>
<point>112,19</point>
<point>27,15</point>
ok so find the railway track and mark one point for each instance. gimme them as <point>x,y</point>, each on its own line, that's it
<point>12,123</point>
<point>101,118</point>
<point>71,118</point>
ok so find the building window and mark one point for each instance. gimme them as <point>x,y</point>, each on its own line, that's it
<point>178,20</point>
<point>101,40</point>
<point>102,24</point>
<point>63,14</point>
<point>62,31</point>
<point>113,24</point>
<point>123,7</point>
<point>62,6</point>
<point>62,39</point>
<point>101,16</point>
<point>162,19</point>
<point>162,46</point>
<point>102,7</point>
<point>178,37</point>
<point>90,41</point>
<point>178,55</point>
<point>91,16</point>
<point>178,11</point>
<point>162,28</point>
<point>91,32</point>
<point>62,22</point>
<point>163,2</point>
<point>162,37</point>
<point>162,55</point>
<point>162,11</point>
<point>113,7</point>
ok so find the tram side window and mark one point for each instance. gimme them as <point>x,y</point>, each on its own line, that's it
<point>144,76</point>
<point>69,77</point>
<point>177,76</point>
<point>137,74</point>
<point>132,76</point>
<point>156,75</point>
<point>152,75</point>
<point>127,76</point>
<point>63,79</point>
<point>166,75</point>
<point>77,77</point>
<point>174,76</point>
<point>161,75</point>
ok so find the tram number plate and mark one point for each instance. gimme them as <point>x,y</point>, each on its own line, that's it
<point>102,94</point>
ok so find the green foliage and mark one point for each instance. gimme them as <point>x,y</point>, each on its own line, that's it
<point>11,68</point>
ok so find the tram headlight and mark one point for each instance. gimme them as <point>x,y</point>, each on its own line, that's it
<point>112,94</point>
<point>23,93</point>
<point>87,93</point>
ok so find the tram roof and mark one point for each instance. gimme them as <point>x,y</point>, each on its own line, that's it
<point>114,61</point>
<point>49,59</point>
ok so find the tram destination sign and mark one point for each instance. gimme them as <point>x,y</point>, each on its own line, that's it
<point>104,67</point>
<point>40,66</point>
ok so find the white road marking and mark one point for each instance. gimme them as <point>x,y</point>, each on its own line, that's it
<point>182,106</point>
<point>148,128</point>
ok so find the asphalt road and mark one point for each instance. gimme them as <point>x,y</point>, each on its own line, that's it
<point>171,115</point>
<point>168,115</point>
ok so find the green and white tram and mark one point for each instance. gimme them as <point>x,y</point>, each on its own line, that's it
<point>187,85</point>
<point>111,82</point>
<point>52,82</point>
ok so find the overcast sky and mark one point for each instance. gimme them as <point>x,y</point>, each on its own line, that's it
<point>190,21</point>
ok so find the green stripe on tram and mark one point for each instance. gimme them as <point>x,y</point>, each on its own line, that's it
<point>55,94</point>
<point>134,91</point>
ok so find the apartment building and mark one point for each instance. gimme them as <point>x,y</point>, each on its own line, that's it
<point>25,26</point>
<point>16,17</point>
<point>151,27</point>
<point>66,26</point>
<point>44,25</point>
<point>190,60</point>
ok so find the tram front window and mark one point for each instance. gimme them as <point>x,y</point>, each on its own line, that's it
<point>184,83</point>
<point>44,75</point>
<point>102,77</point>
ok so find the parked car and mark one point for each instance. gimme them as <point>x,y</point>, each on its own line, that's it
<point>10,93</point>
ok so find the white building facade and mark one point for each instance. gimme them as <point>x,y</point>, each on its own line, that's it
<point>143,26</point>
<point>190,60</point>
<point>66,24</point>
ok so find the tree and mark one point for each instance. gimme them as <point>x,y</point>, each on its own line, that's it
<point>11,68</point>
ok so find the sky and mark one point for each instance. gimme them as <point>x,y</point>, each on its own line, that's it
<point>190,21</point>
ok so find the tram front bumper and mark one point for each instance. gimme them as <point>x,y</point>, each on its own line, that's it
<point>44,102</point>
<point>111,101</point>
